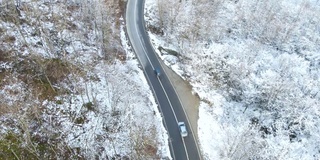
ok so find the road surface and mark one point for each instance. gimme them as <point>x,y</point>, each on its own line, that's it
<point>168,101</point>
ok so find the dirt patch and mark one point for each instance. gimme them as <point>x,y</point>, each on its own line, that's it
<point>73,7</point>
<point>189,101</point>
<point>155,30</point>
<point>150,149</point>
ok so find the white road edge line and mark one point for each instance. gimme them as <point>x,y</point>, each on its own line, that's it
<point>169,102</point>
<point>187,119</point>
<point>184,145</point>
<point>158,100</point>
<point>196,140</point>
<point>170,142</point>
<point>187,154</point>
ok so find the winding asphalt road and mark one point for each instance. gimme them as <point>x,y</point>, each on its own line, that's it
<point>168,101</point>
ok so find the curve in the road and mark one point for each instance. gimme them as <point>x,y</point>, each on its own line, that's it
<point>168,101</point>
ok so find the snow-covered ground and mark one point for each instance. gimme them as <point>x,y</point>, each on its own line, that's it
<point>256,67</point>
<point>71,86</point>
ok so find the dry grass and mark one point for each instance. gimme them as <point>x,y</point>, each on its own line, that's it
<point>73,7</point>
<point>10,105</point>
<point>24,113</point>
<point>121,8</point>
<point>56,69</point>
<point>111,40</point>
<point>42,80</point>
<point>44,76</point>
<point>3,74</point>
<point>151,150</point>
<point>4,58</point>
<point>4,55</point>
<point>15,146</point>
<point>6,109</point>
<point>9,39</point>
<point>9,13</point>
<point>144,144</point>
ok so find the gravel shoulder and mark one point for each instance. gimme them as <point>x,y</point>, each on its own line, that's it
<point>190,102</point>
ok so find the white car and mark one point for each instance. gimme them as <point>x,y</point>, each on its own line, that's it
<point>183,129</point>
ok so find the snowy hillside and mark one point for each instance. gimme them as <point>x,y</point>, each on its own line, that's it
<point>256,67</point>
<point>70,86</point>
